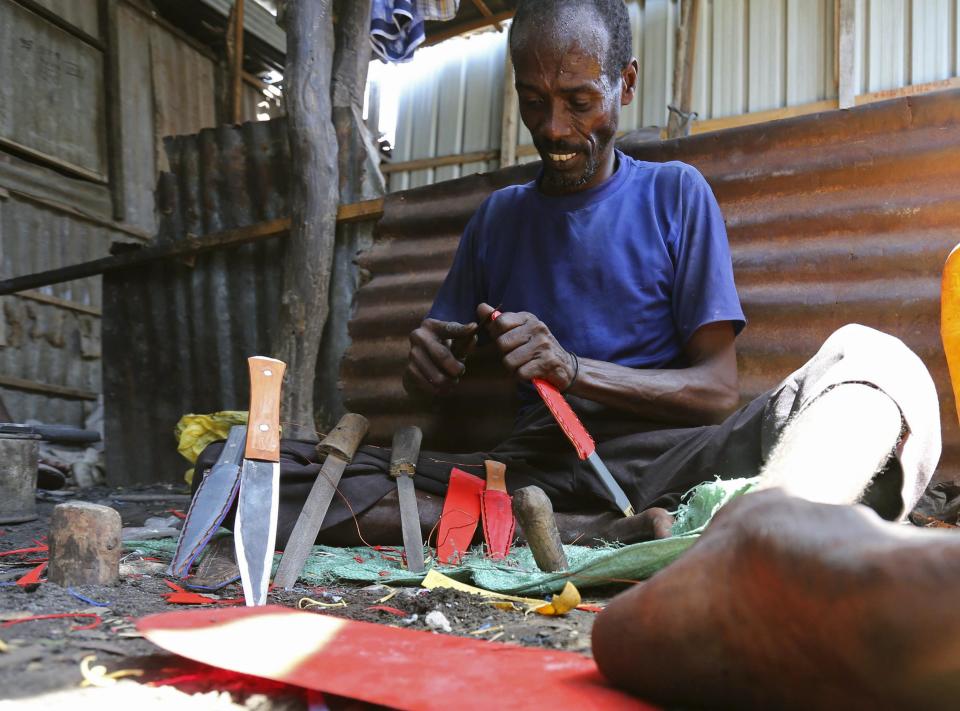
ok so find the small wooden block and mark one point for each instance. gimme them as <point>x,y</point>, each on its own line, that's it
<point>84,544</point>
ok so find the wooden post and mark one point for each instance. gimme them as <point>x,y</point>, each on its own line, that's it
<point>358,157</point>
<point>313,205</point>
<point>846,49</point>
<point>511,114</point>
<point>235,61</point>
<point>84,544</point>
<point>686,50</point>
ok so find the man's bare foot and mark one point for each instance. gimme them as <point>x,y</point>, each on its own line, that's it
<point>785,603</point>
<point>588,529</point>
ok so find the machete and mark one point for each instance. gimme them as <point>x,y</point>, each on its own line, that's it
<point>403,465</point>
<point>213,499</point>
<point>579,437</point>
<point>339,446</point>
<point>255,530</point>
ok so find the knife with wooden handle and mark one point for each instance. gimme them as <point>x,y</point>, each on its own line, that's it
<point>579,437</point>
<point>255,530</point>
<point>403,465</point>
<point>340,446</point>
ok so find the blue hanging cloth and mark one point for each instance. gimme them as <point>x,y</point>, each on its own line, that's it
<point>396,29</point>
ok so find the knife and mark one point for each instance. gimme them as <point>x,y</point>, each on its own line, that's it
<point>579,437</point>
<point>255,529</point>
<point>339,446</point>
<point>210,504</point>
<point>403,465</point>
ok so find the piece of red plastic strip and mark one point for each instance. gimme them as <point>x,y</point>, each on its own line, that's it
<point>24,551</point>
<point>61,615</point>
<point>386,608</point>
<point>33,577</point>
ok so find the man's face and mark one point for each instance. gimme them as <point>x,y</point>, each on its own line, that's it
<point>569,104</point>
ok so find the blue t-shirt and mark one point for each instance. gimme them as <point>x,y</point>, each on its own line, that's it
<point>625,272</point>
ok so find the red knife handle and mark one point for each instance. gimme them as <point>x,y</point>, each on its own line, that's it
<point>562,412</point>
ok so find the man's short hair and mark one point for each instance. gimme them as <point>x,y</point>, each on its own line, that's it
<point>612,14</point>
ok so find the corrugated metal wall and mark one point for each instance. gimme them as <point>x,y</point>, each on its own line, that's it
<point>833,218</point>
<point>751,56</point>
<point>52,108</point>
<point>177,335</point>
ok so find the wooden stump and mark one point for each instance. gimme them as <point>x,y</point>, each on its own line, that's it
<point>84,544</point>
<point>534,512</point>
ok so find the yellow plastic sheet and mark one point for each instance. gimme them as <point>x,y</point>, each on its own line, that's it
<point>561,604</point>
<point>195,432</point>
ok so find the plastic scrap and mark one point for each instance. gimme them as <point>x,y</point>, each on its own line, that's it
<point>179,596</point>
<point>99,676</point>
<point>84,598</point>
<point>305,603</point>
<point>33,577</point>
<point>195,432</point>
<point>386,608</point>
<point>97,620</point>
<point>436,620</point>
<point>560,604</point>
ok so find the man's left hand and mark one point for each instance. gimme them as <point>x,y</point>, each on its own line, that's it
<point>528,348</point>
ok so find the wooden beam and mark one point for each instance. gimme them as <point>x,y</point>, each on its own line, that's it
<point>464,28</point>
<point>485,11</point>
<point>60,303</point>
<point>77,214</point>
<point>52,162</point>
<point>235,60</point>
<point>511,115</point>
<point>846,49</point>
<point>113,119</point>
<point>190,246</point>
<point>720,124</point>
<point>32,386</point>
<point>439,161</point>
<point>686,49</point>
<point>912,90</point>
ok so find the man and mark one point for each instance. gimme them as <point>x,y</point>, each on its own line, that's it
<point>615,282</point>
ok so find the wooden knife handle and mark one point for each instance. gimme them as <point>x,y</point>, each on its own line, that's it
<point>496,475</point>
<point>263,423</point>
<point>405,451</point>
<point>344,439</point>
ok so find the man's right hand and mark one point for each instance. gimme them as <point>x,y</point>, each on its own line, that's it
<point>437,352</point>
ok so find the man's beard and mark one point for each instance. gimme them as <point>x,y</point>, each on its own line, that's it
<point>564,182</point>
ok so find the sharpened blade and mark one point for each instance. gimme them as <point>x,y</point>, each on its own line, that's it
<point>213,499</point>
<point>308,523</point>
<point>410,522</point>
<point>255,531</point>
<point>619,497</point>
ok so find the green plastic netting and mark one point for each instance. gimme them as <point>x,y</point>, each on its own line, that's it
<point>518,573</point>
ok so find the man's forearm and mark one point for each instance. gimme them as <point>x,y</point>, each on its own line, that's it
<point>698,395</point>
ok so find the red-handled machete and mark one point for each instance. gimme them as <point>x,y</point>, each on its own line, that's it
<point>579,437</point>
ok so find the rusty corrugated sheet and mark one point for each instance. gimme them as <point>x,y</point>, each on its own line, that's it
<point>176,336</point>
<point>833,218</point>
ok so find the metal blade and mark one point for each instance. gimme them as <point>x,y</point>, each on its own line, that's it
<point>255,532</point>
<point>619,497</point>
<point>308,523</point>
<point>210,504</point>
<point>410,521</point>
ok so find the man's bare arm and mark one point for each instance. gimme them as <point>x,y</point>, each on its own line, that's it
<point>703,393</point>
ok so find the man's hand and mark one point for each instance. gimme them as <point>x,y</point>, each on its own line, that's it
<point>437,352</point>
<point>528,348</point>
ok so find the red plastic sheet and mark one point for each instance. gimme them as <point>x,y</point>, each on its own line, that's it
<point>461,514</point>
<point>399,668</point>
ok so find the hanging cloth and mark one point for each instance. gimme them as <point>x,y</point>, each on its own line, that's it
<point>438,10</point>
<point>396,29</point>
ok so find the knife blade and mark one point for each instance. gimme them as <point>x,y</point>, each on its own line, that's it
<point>403,466</point>
<point>579,437</point>
<point>210,504</point>
<point>255,529</point>
<point>340,446</point>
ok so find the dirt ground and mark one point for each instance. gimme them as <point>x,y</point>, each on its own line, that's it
<point>41,660</point>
